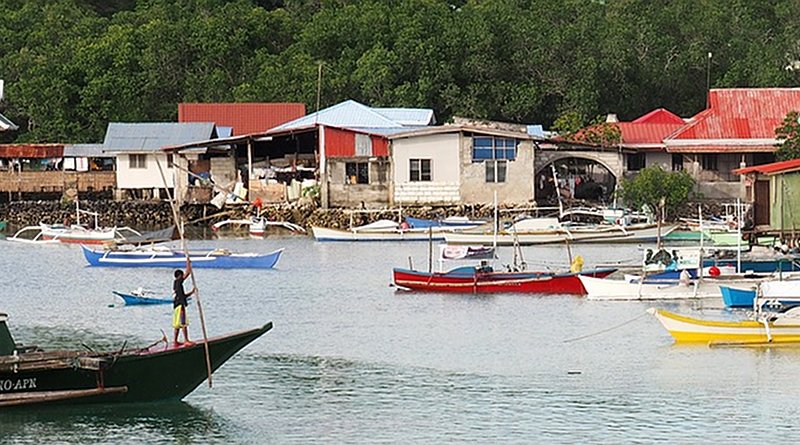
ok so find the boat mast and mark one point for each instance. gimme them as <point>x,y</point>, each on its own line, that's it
<point>738,235</point>
<point>558,191</point>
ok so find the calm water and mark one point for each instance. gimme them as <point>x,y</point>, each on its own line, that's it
<point>352,360</point>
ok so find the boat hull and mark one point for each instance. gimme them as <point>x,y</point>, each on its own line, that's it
<point>606,235</point>
<point>693,330</point>
<point>326,234</point>
<point>162,372</point>
<point>134,300</point>
<point>606,289</point>
<point>495,282</point>
<point>136,258</point>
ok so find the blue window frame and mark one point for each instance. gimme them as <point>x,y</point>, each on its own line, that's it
<point>490,148</point>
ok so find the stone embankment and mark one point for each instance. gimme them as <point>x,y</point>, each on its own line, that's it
<point>150,214</point>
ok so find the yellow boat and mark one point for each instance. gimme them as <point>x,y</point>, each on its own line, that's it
<point>768,329</point>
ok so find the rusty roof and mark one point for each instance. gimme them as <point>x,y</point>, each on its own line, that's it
<point>31,151</point>
<point>771,169</point>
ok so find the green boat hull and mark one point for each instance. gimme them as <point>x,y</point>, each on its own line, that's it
<point>159,373</point>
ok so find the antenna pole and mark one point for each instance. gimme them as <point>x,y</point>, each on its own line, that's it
<point>708,79</point>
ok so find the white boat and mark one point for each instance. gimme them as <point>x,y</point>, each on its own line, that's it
<point>257,226</point>
<point>77,234</point>
<point>613,289</point>
<point>381,230</point>
<point>534,231</point>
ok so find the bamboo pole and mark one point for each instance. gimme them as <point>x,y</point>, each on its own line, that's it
<point>179,225</point>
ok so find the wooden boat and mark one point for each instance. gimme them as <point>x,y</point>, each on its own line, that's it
<point>163,257</point>
<point>381,230</point>
<point>767,329</point>
<point>141,297</point>
<point>556,233</point>
<point>470,279</point>
<point>160,372</point>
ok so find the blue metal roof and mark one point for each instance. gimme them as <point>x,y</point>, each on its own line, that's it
<point>351,114</point>
<point>85,151</point>
<point>409,116</point>
<point>152,136</point>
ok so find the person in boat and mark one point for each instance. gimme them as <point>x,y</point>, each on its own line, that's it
<point>484,267</point>
<point>179,302</point>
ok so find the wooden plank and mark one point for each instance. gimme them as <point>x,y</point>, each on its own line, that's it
<point>30,398</point>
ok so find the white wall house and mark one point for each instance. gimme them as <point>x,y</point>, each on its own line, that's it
<point>138,151</point>
<point>462,164</point>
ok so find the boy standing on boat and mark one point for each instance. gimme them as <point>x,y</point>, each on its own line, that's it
<point>179,302</point>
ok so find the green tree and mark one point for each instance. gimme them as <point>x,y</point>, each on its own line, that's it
<point>652,184</point>
<point>788,132</point>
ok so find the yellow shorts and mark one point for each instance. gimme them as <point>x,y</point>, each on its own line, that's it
<point>179,318</point>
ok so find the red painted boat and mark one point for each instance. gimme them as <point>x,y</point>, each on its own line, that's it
<point>474,280</point>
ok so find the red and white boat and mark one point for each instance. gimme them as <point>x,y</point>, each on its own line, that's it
<point>478,280</point>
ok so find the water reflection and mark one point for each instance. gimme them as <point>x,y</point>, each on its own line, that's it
<point>173,422</point>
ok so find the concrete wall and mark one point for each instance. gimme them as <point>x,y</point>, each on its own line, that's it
<point>518,187</point>
<point>343,194</point>
<point>612,160</point>
<point>443,151</point>
<point>143,178</point>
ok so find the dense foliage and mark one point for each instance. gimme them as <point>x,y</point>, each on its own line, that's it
<point>71,66</point>
<point>653,184</point>
<point>788,133</point>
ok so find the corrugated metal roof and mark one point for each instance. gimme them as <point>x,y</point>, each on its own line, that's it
<point>31,151</point>
<point>409,116</point>
<point>771,169</point>
<point>151,136</point>
<point>244,118</point>
<point>645,133</point>
<point>348,114</point>
<point>6,124</point>
<point>659,116</point>
<point>85,151</point>
<point>729,147</point>
<point>742,113</point>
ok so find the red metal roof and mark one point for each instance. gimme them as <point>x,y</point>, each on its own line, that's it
<point>31,151</point>
<point>721,148</point>
<point>245,118</point>
<point>771,169</point>
<point>742,113</point>
<point>646,133</point>
<point>660,116</point>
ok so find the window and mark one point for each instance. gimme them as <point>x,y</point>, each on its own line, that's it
<point>419,170</point>
<point>170,161</point>
<point>496,171</point>
<point>677,162</point>
<point>635,162</point>
<point>487,147</point>
<point>356,173</point>
<point>709,161</point>
<point>137,161</point>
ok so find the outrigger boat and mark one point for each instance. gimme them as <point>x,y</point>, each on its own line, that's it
<point>786,293</point>
<point>767,328</point>
<point>73,233</point>
<point>159,372</point>
<point>535,231</point>
<point>257,225</point>
<point>164,257</point>
<point>478,280</point>
<point>141,297</point>
<point>381,230</point>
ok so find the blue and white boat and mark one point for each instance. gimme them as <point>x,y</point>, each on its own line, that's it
<point>164,257</point>
<point>455,222</point>
<point>783,293</point>
<point>141,297</point>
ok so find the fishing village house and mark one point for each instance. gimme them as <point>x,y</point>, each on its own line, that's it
<point>137,148</point>
<point>232,120</point>
<point>773,190</point>
<point>31,170</point>
<point>463,163</point>
<point>342,150</point>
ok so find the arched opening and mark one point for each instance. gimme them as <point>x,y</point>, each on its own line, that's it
<point>576,180</point>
